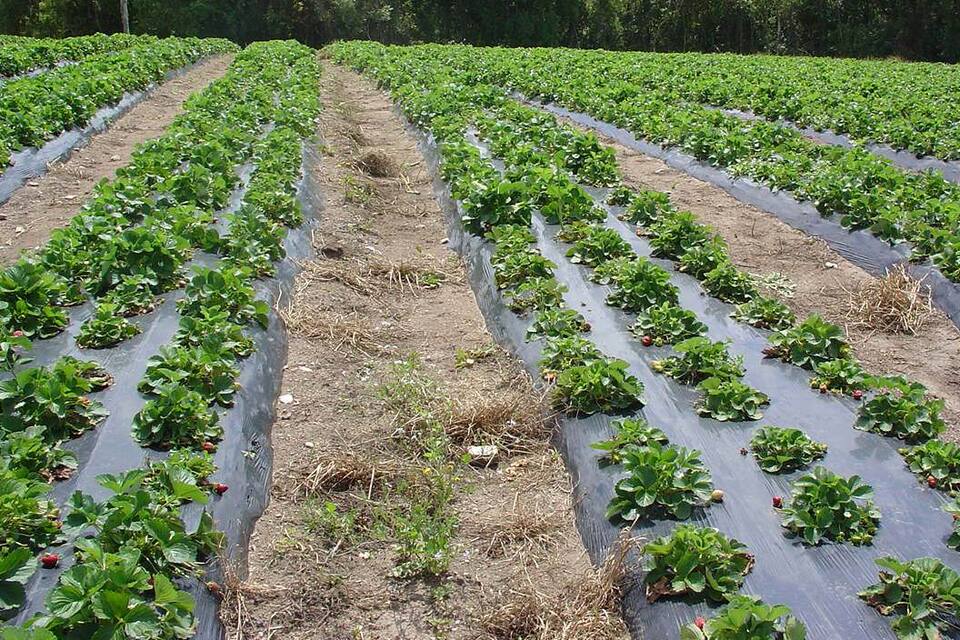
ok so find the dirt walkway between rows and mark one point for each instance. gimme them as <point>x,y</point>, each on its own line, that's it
<point>822,280</point>
<point>48,202</point>
<point>378,528</point>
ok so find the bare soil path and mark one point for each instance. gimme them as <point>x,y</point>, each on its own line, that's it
<point>823,281</point>
<point>373,377</point>
<point>48,202</point>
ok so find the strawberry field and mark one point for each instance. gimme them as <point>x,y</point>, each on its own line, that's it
<point>784,490</point>
<point>772,483</point>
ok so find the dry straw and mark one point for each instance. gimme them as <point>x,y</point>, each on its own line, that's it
<point>895,303</point>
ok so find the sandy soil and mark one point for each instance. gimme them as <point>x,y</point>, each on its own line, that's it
<point>823,280</point>
<point>384,287</point>
<point>48,202</point>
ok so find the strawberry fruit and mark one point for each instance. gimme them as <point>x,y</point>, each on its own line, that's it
<point>646,341</point>
<point>699,621</point>
<point>220,488</point>
<point>777,502</point>
<point>49,560</point>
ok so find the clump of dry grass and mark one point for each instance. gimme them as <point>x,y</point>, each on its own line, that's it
<point>378,164</point>
<point>351,273</point>
<point>522,532</point>
<point>587,608</point>
<point>343,470</point>
<point>340,331</point>
<point>895,303</point>
<point>515,420</point>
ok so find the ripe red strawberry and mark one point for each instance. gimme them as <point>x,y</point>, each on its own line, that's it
<point>49,560</point>
<point>699,621</point>
<point>646,341</point>
<point>777,502</point>
<point>18,334</point>
<point>857,394</point>
<point>220,488</point>
<point>209,447</point>
<point>931,482</point>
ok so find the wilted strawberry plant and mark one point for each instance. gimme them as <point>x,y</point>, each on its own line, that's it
<point>923,594</point>
<point>765,313</point>
<point>662,479</point>
<point>747,618</point>
<point>667,323</point>
<point>844,375</point>
<point>599,386</point>
<point>630,432</point>
<point>699,359</point>
<point>902,410</point>
<point>728,399</point>
<point>176,417</point>
<point>697,561</point>
<point>936,463</point>
<point>809,343</point>
<point>825,505</point>
<point>106,328</point>
<point>557,323</point>
<point>780,450</point>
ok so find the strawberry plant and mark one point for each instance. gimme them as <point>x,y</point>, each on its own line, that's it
<point>630,433</point>
<point>181,477</point>
<point>663,479</point>
<point>29,294</point>
<point>701,259</point>
<point>699,358</point>
<point>494,202</point>
<point>133,296</point>
<point>843,375</point>
<point>638,284</point>
<point>214,324</point>
<point>809,343</point>
<point>150,253</point>
<point>730,400</point>
<point>223,290</point>
<point>54,399</point>
<point>729,284</point>
<point>565,352</point>
<point>176,417</point>
<point>747,618</point>
<point>647,207</point>
<point>16,567</point>
<point>675,234</point>
<point>598,386</point>
<point>953,508</point>
<point>597,246</point>
<point>765,313</point>
<point>557,323</point>
<point>780,450</point>
<point>620,196</point>
<point>253,241</point>
<point>30,452</point>
<point>901,409</point>
<point>935,459</point>
<point>29,517</point>
<point>12,347</point>
<point>98,377</point>
<point>923,594</point>
<point>696,561</point>
<point>667,323</point>
<point>106,328</point>
<point>535,294</point>
<point>825,505</point>
<point>208,369</point>
<point>513,268</point>
<point>112,591</point>
<point>511,238</point>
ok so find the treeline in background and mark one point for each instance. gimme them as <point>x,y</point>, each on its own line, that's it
<point>910,29</point>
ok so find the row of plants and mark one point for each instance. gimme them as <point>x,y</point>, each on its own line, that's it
<point>38,108</point>
<point>22,54</point>
<point>133,548</point>
<point>668,479</point>
<point>906,105</point>
<point>864,190</point>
